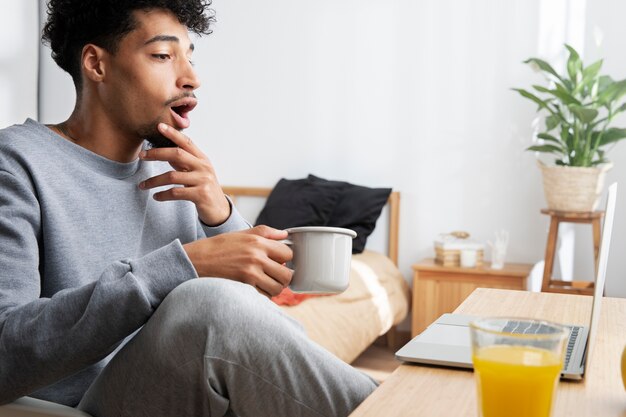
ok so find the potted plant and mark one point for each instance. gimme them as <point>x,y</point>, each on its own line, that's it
<point>579,107</point>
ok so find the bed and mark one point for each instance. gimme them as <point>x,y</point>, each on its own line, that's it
<point>377,299</point>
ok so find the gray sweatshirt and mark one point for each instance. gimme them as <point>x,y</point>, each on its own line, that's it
<point>85,259</point>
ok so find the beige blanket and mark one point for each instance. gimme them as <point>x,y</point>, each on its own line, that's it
<point>347,323</point>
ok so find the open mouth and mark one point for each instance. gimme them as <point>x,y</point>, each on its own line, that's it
<point>180,111</point>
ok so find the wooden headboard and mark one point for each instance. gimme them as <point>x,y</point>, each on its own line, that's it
<point>393,202</point>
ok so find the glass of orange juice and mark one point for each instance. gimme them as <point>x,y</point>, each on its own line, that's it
<point>517,363</point>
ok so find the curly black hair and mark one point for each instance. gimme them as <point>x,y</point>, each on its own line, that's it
<point>74,23</point>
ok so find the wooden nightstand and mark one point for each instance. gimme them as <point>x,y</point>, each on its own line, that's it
<point>438,289</point>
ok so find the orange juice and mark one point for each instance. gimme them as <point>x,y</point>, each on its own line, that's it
<point>624,367</point>
<point>516,380</point>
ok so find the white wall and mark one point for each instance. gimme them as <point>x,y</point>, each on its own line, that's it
<point>18,61</point>
<point>392,93</point>
<point>413,95</point>
<point>605,28</point>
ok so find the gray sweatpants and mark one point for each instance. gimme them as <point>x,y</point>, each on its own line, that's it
<point>215,347</point>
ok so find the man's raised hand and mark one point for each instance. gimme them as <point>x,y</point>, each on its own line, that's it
<point>193,171</point>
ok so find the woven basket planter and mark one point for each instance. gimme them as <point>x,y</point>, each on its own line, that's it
<point>573,188</point>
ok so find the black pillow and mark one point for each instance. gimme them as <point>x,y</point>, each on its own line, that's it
<point>299,202</point>
<point>358,208</point>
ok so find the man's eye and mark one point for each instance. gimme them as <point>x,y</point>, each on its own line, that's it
<point>161,57</point>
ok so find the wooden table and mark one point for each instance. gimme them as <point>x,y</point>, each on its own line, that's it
<point>439,289</point>
<point>418,390</point>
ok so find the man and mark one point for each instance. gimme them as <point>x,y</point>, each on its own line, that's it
<point>101,239</point>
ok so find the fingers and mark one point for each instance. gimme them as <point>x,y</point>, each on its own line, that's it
<point>180,139</point>
<point>269,286</point>
<point>179,158</point>
<point>276,276</point>
<point>260,291</point>
<point>170,178</point>
<point>176,193</point>
<point>245,256</point>
<point>277,251</point>
<point>185,156</point>
<point>278,273</point>
<point>201,186</point>
<point>187,179</point>
<point>268,232</point>
<point>275,255</point>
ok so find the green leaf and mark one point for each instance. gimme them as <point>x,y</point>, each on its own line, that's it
<point>542,104</point>
<point>594,138</point>
<point>566,137</point>
<point>544,90</point>
<point>568,84</point>
<point>583,114</point>
<point>591,71</point>
<point>544,66</point>
<point>612,93</point>
<point>541,89</point>
<point>621,90</point>
<point>611,135</point>
<point>600,153</point>
<point>619,109</point>
<point>593,92</point>
<point>549,137</point>
<point>552,121</point>
<point>604,81</point>
<point>601,159</point>
<point>562,94</point>
<point>589,84</point>
<point>545,148</point>
<point>574,65</point>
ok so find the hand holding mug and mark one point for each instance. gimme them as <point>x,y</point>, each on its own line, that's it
<point>255,256</point>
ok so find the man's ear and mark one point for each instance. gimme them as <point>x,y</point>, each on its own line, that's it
<point>93,62</point>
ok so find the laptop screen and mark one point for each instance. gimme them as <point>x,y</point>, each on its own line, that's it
<point>603,258</point>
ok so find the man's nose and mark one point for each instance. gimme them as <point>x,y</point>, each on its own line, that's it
<point>189,78</point>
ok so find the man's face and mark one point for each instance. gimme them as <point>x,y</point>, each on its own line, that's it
<point>150,77</point>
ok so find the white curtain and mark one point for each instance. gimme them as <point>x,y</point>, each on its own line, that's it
<point>18,61</point>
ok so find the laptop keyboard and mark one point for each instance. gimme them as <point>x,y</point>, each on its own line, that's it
<point>521,327</point>
<point>538,328</point>
<point>573,335</point>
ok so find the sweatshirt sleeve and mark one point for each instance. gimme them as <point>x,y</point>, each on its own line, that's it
<point>43,340</point>
<point>234,223</point>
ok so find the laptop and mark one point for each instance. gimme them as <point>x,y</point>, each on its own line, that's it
<point>447,341</point>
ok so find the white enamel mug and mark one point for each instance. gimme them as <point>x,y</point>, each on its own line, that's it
<point>321,258</point>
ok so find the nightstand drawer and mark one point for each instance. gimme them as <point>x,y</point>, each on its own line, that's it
<point>438,289</point>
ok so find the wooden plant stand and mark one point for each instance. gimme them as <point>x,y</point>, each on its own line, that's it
<point>550,284</point>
